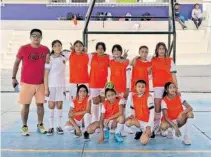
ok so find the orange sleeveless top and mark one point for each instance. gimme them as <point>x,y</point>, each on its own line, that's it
<point>78,66</point>
<point>174,107</point>
<point>118,75</point>
<point>99,71</point>
<point>80,106</point>
<point>141,107</point>
<point>111,109</point>
<point>161,71</point>
<point>140,72</point>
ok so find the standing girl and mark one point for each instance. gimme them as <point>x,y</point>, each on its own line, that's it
<point>54,81</point>
<point>112,117</point>
<point>141,68</point>
<point>80,110</point>
<point>78,67</point>
<point>174,116</point>
<point>120,72</point>
<point>142,107</point>
<point>163,71</point>
<point>99,63</point>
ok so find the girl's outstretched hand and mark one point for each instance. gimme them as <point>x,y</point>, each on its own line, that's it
<point>125,55</point>
<point>72,48</point>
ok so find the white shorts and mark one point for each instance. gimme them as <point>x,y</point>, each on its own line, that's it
<point>158,92</point>
<point>94,92</point>
<point>56,94</point>
<point>144,125</point>
<point>79,123</point>
<point>73,89</point>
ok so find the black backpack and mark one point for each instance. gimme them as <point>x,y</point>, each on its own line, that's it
<point>146,15</point>
<point>70,16</point>
<point>79,17</point>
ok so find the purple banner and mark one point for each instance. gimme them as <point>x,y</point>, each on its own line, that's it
<point>43,12</point>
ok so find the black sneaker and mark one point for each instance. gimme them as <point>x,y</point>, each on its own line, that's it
<point>50,132</point>
<point>138,135</point>
<point>86,135</point>
<point>59,130</point>
<point>153,135</point>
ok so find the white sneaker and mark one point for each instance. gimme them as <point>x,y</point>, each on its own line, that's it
<point>186,140</point>
<point>123,134</point>
<point>157,131</point>
<point>170,133</point>
<point>163,133</point>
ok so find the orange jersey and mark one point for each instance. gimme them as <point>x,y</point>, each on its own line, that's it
<point>161,71</point>
<point>80,106</point>
<point>78,68</point>
<point>111,109</point>
<point>118,75</point>
<point>140,72</point>
<point>99,71</point>
<point>174,107</point>
<point>141,107</point>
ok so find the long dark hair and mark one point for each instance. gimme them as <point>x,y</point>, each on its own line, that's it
<point>82,86</point>
<point>53,43</point>
<point>158,46</point>
<point>165,93</point>
<point>196,5</point>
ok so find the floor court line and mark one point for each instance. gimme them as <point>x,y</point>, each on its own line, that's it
<point>103,151</point>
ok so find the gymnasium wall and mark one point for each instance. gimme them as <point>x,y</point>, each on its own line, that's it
<point>44,12</point>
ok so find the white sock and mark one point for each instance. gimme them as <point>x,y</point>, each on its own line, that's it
<point>59,116</point>
<point>119,128</point>
<point>95,112</point>
<point>87,120</point>
<point>127,129</point>
<point>186,129</point>
<point>157,119</point>
<point>68,128</point>
<point>51,118</point>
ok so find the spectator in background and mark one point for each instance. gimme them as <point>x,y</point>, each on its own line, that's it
<point>179,17</point>
<point>197,15</point>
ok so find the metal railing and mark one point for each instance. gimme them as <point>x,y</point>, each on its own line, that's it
<point>170,32</point>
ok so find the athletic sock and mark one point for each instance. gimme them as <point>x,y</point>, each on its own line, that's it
<point>87,120</point>
<point>119,128</point>
<point>59,117</point>
<point>51,118</point>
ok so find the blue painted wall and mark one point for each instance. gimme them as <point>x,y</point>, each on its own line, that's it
<point>42,12</point>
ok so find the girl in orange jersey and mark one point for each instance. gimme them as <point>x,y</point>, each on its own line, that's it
<point>120,76</point>
<point>163,71</point>
<point>80,110</point>
<point>78,67</point>
<point>142,115</point>
<point>120,72</point>
<point>112,117</point>
<point>174,116</point>
<point>99,63</point>
<point>141,68</point>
